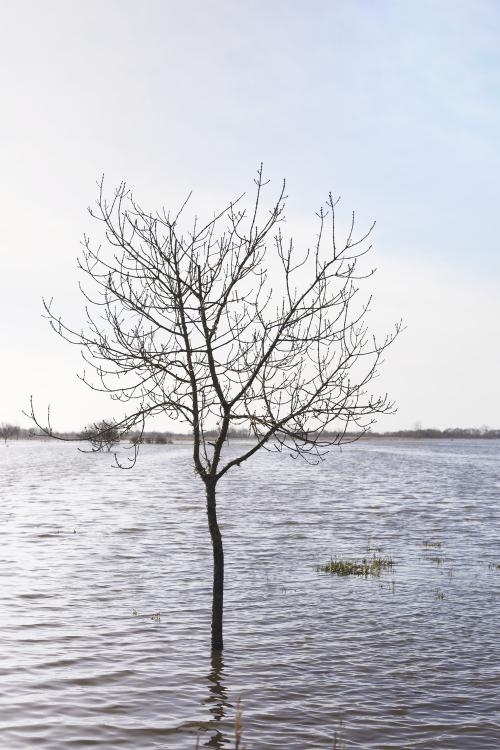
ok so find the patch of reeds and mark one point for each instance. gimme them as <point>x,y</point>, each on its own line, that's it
<point>431,545</point>
<point>368,566</point>
<point>494,566</point>
<point>339,742</point>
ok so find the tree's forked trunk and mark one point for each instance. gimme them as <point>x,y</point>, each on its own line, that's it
<point>218,585</point>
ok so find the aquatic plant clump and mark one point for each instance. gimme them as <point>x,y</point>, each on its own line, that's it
<point>366,567</point>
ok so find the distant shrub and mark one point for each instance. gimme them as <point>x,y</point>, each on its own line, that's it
<point>9,431</point>
<point>103,435</point>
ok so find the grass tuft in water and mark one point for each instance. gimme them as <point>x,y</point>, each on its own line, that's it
<point>370,548</point>
<point>366,567</point>
<point>237,725</point>
<point>436,559</point>
<point>339,742</point>
<point>432,545</point>
<point>494,566</point>
<point>439,594</point>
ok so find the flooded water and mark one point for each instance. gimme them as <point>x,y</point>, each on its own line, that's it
<point>408,660</point>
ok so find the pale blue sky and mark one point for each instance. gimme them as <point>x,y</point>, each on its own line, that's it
<point>394,105</point>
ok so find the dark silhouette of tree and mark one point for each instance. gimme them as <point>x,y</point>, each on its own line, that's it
<point>103,436</point>
<point>225,326</point>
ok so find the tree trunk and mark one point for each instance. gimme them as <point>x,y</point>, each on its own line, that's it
<point>218,588</point>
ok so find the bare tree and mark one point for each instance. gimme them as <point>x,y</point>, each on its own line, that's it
<point>9,431</point>
<point>229,325</point>
<point>103,436</point>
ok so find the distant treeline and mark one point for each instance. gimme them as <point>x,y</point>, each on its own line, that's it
<point>14,432</point>
<point>450,432</point>
<point>466,433</point>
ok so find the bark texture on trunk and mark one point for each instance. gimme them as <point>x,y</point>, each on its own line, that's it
<point>218,588</point>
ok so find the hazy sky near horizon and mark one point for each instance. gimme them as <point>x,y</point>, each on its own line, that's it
<point>393,105</point>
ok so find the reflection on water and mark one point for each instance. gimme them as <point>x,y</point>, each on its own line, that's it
<point>217,701</point>
<point>88,553</point>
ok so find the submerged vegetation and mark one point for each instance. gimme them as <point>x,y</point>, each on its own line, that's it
<point>372,566</point>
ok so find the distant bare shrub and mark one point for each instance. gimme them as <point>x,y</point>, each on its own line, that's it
<point>9,431</point>
<point>103,435</point>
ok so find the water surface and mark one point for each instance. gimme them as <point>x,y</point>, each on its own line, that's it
<point>83,546</point>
